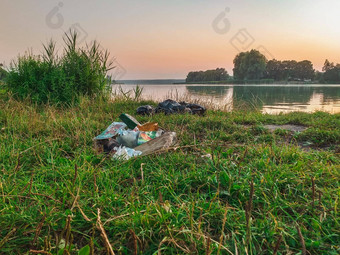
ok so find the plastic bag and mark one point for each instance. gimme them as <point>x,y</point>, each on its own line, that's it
<point>125,153</point>
<point>128,138</point>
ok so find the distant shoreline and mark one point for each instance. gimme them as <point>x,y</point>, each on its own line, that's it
<point>249,83</point>
<point>231,83</point>
<point>254,83</point>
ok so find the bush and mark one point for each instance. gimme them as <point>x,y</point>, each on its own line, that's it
<point>60,79</point>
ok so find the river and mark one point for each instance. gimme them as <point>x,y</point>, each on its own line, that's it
<point>272,99</point>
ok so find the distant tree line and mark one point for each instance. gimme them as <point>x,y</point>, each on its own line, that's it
<point>219,74</point>
<point>289,70</point>
<point>252,66</point>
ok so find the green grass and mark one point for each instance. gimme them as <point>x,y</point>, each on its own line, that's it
<point>173,203</point>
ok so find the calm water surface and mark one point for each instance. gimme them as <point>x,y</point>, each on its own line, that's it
<point>269,98</point>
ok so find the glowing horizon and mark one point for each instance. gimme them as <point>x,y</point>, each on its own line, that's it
<point>155,40</point>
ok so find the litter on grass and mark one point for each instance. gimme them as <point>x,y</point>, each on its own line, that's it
<point>170,106</point>
<point>129,138</point>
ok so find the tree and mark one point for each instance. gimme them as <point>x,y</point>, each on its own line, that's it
<point>250,65</point>
<point>304,70</point>
<point>327,66</point>
<point>274,70</point>
<point>238,71</point>
<point>319,76</point>
<point>289,69</point>
<point>332,74</point>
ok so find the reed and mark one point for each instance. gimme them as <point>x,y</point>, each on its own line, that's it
<point>60,78</point>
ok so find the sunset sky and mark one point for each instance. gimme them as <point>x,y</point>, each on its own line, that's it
<point>166,39</point>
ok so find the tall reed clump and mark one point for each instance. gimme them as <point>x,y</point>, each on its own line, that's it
<point>61,79</point>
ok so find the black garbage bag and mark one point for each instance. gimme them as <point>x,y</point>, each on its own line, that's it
<point>145,110</point>
<point>170,106</point>
<point>196,109</point>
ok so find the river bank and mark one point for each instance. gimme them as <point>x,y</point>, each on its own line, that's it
<point>231,184</point>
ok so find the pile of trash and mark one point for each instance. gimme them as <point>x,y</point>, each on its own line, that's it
<point>170,106</point>
<point>129,138</point>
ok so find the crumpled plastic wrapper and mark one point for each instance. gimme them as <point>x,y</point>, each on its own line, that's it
<point>125,153</point>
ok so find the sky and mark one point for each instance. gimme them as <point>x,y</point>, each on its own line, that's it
<point>158,39</point>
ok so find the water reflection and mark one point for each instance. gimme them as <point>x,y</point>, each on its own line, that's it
<point>270,98</point>
<point>276,99</point>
